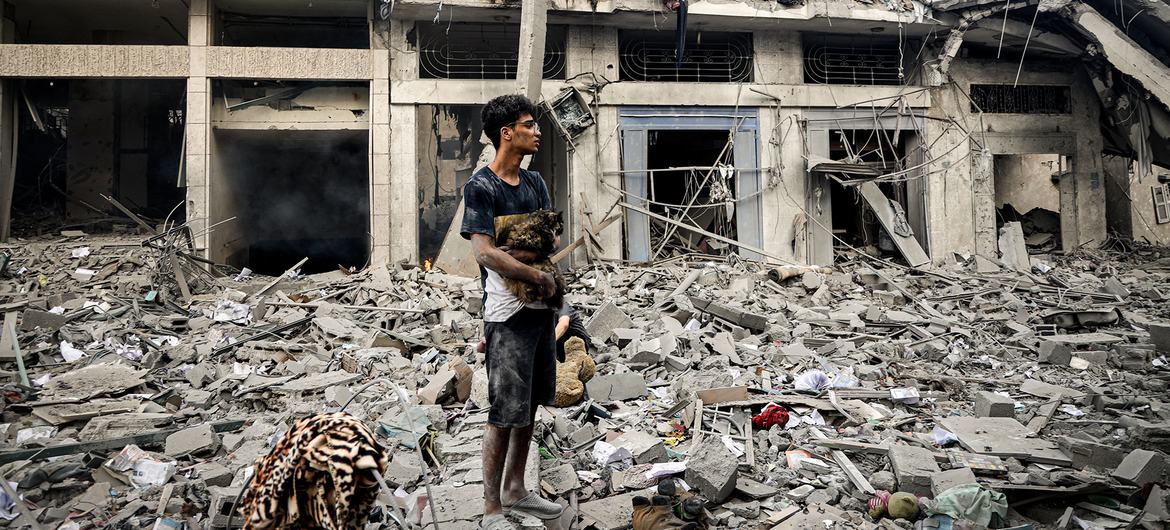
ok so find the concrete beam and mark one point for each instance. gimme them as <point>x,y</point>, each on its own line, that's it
<point>288,63</point>
<point>89,60</point>
<point>475,92</point>
<point>1123,53</point>
<point>714,16</point>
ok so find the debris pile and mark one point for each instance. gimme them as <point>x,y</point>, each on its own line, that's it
<point>138,391</point>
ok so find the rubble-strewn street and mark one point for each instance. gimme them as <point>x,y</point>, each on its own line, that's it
<point>140,388</point>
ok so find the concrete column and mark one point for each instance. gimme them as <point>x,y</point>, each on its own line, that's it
<point>197,149</point>
<point>778,57</point>
<point>379,136</point>
<point>530,67</point>
<point>1088,204</point>
<point>983,179</point>
<point>784,183</point>
<point>951,208</point>
<point>594,49</point>
<point>403,224</point>
<point>8,139</point>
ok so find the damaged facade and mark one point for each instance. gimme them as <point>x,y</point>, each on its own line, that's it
<point>344,130</point>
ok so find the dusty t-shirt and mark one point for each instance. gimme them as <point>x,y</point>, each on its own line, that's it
<point>487,199</point>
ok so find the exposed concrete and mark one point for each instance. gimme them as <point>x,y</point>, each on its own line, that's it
<point>1130,204</point>
<point>1025,182</point>
<point>90,60</point>
<point>1123,53</point>
<point>403,229</point>
<point>286,63</point>
<point>8,138</point>
<point>331,108</point>
<point>530,63</point>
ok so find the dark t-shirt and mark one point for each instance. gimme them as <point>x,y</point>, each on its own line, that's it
<point>487,199</point>
<point>576,327</point>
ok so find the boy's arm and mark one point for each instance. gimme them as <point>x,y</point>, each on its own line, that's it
<point>490,257</point>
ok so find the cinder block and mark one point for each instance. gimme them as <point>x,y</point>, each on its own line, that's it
<point>1140,467</point>
<point>913,467</point>
<point>1090,453</point>
<point>1055,353</point>
<point>992,405</point>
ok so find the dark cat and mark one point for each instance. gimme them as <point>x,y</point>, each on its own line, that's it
<point>535,232</point>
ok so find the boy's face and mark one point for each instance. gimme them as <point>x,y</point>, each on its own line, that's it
<point>523,134</point>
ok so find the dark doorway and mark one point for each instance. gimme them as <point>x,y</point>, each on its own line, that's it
<point>294,194</point>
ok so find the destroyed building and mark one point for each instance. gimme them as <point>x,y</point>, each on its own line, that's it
<point>825,250</point>
<point>345,129</point>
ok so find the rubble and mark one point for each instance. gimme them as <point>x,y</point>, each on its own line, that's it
<point>926,381</point>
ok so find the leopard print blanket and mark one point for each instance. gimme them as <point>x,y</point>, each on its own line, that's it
<point>319,475</point>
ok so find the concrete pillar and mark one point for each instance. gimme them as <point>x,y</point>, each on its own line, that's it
<point>396,141</point>
<point>951,207</point>
<point>197,147</point>
<point>403,223</point>
<point>380,136</point>
<point>8,139</point>
<point>533,27</point>
<point>778,57</point>
<point>785,183</point>
<point>594,49</point>
<point>983,178</point>
<point>1088,183</point>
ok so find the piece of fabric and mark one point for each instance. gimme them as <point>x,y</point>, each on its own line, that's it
<point>576,329</point>
<point>969,501</point>
<point>487,199</point>
<point>532,504</point>
<point>521,366</point>
<point>773,414</point>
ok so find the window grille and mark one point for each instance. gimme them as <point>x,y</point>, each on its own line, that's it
<point>1021,99</point>
<point>481,51</point>
<point>710,57</point>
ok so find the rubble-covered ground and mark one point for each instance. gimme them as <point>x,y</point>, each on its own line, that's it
<point>1004,398</point>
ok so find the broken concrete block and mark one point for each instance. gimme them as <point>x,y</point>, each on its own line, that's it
<point>560,480</point>
<point>1115,287</point>
<point>1092,358</point>
<point>607,318</point>
<point>200,375</point>
<point>213,474</point>
<point>1013,251</point>
<point>645,448</point>
<point>913,467</point>
<point>1140,467</point>
<point>945,480</point>
<point>439,386</point>
<point>33,319</point>
<point>1160,336</point>
<point>195,440</point>
<point>616,387</point>
<point>739,317</point>
<point>712,469</point>
<point>1089,453</point>
<point>992,405</point>
<point>800,493</point>
<point>1054,353</point>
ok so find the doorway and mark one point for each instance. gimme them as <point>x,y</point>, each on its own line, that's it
<point>695,172</point>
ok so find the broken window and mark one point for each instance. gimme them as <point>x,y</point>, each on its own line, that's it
<point>1027,190</point>
<point>1022,99</point>
<point>709,57</point>
<point>481,51</point>
<point>1161,203</point>
<point>148,22</point>
<point>850,60</point>
<point>83,140</point>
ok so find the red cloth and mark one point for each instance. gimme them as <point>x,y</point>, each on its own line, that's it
<point>771,415</point>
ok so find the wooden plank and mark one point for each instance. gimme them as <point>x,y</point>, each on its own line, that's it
<point>565,252</point>
<point>851,471</point>
<point>880,204</point>
<point>718,396</point>
<point>111,444</point>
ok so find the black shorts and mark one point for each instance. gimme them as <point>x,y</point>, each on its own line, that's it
<point>521,366</point>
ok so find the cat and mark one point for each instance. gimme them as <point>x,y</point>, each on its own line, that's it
<point>536,232</point>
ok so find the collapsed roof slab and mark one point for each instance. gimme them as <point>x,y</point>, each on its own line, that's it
<point>1123,53</point>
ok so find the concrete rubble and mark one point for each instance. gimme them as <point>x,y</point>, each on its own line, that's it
<point>926,381</point>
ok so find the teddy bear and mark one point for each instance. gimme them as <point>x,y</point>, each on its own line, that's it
<point>572,374</point>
